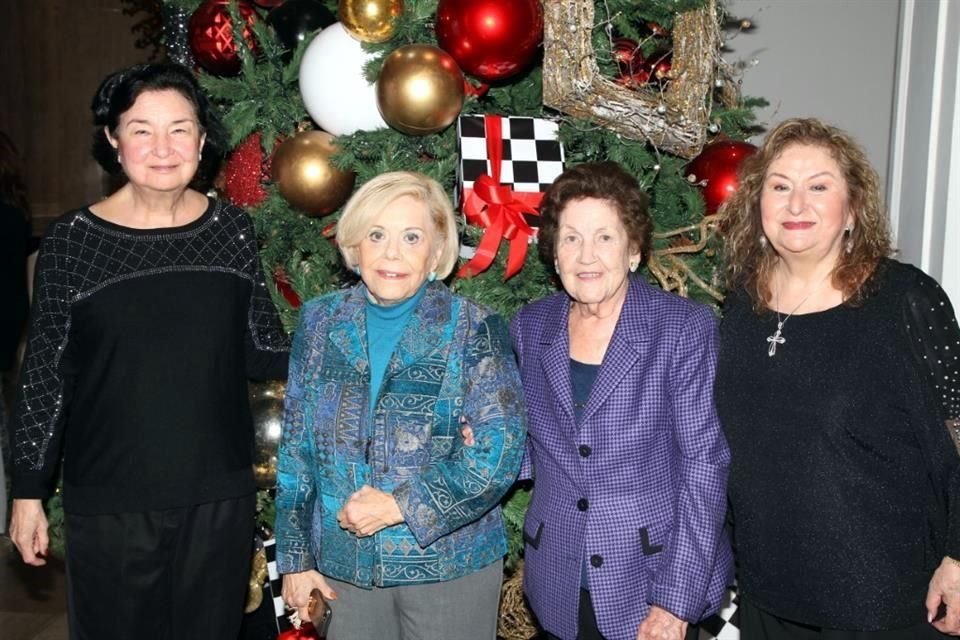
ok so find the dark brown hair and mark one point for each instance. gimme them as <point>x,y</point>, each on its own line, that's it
<point>604,181</point>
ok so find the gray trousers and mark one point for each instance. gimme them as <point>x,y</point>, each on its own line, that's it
<point>465,608</point>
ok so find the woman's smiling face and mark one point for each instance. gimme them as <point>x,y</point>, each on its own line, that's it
<point>398,251</point>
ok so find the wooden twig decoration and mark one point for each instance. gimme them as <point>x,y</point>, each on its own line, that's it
<point>674,120</point>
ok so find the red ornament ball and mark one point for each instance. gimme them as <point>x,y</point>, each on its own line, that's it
<point>211,35</point>
<point>245,172</point>
<point>658,30</point>
<point>716,170</point>
<point>658,65</point>
<point>490,39</point>
<point>635,80</point>
<point>627,54</point>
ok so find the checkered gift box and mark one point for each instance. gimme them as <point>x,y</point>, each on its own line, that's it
<point>275,585</point>
<point>725,624</point>
<point>506,163</point>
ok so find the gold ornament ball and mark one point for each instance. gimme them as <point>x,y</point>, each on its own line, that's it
<point>370,20</point>
<point>306,178</point>
<point>266,408</point>
<point>420,89</point>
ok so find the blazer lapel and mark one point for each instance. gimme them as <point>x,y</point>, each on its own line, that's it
<point>350,329</point>
<point>555,358</point>
<point>626,346</point>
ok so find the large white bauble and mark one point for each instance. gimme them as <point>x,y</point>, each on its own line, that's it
<point>335,92</point>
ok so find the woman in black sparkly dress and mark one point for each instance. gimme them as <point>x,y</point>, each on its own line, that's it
<point>838,390</point>
<point>150,312</point>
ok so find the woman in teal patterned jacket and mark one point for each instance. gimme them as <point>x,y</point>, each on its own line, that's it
<point>380,505</point>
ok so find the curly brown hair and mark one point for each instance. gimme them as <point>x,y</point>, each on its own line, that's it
<point>604,181</point>
<point>750,260</point>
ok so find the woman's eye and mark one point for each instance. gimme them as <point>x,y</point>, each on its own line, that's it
<point>605,237</point>
<point>411,237</point>
<point>818,187</point>
<point>569,239</point>
<point>375,236</point>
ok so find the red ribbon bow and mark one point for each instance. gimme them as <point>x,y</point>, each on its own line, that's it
<point>498,209</point>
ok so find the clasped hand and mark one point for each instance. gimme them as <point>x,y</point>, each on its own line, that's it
<point>369,510</point>
<point>945,590</point>
<point>660,624</point>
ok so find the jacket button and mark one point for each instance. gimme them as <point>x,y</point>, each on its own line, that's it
<point>596,560</point>
<point>584,450</point>
<point>583,504</point>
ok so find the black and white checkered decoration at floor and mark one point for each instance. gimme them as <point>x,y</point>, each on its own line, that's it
<point>532,155</point>
<point>274,586</point>
<point>725,624</point>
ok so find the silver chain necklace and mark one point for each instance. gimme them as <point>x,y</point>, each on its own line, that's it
<point>777,337</point>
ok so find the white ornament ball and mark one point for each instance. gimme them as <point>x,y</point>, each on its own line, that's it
<point>335,92</point>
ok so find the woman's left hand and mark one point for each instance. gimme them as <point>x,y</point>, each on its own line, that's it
<point>945,588</point>
<point>369,510</point>
<point>660,624</point>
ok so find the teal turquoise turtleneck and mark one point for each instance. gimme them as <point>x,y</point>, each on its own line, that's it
<point>385,325</point>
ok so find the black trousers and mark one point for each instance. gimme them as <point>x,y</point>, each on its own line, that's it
<point>587,622</point>
<point>175,574</point>
<point>756,624</point>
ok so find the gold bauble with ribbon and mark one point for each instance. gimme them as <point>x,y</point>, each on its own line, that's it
<point>370,20</point>
<point>420,89</point>
<point>305,176</point>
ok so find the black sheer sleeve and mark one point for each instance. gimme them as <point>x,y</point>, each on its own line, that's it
<point>268,344</point>
<point>934,337</point>
<point>36,425</point>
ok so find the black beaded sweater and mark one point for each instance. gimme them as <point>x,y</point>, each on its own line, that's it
<point>844,483</point>
<point>139,349</point>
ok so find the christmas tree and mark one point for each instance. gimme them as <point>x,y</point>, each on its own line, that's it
<point>319,96</point>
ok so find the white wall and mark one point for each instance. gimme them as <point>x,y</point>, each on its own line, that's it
<point>832,59</point>
<point>925,169</point>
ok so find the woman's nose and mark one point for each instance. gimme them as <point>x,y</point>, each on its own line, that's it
<point>392,249</point>
<point>587,252</point>
<point>161,145</point>
<point>797,201</point>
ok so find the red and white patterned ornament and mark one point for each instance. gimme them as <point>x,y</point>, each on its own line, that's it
<point>211,35</point>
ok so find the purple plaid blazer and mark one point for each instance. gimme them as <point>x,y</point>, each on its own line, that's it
<point>636,492</point>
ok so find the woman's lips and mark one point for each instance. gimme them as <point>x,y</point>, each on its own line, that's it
<point>794,226</point>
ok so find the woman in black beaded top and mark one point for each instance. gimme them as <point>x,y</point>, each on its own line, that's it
<point>150,312</point>
<point>837,387</point>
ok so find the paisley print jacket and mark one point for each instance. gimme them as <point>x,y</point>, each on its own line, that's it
<point>453,361</point>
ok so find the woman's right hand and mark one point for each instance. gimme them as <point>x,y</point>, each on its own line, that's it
<point>28,530</point>
<point>297,588</point>
<point>466,432</point>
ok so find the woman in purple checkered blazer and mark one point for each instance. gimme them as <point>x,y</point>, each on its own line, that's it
<point>838,389</point>
<point>624,533</point>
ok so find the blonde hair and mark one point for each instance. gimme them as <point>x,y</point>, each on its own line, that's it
<point>749,258</point>
<point>376,195</point>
